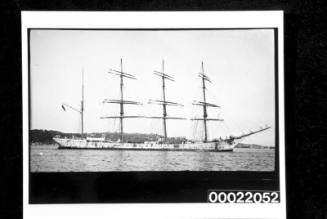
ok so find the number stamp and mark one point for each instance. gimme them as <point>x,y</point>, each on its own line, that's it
<point>247,197</point>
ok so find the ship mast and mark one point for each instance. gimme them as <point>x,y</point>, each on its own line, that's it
<point>205,114</point>
<point>205,104</point>
<point>82,104</point>
<point>164,108</point>
<point>121,101</point>
<point>164,102</point>
<point>81,110</point>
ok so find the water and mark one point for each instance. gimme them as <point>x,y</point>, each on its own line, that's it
<point>47,158</point>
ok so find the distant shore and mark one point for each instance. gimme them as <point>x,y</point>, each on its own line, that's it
<point>46,136</point>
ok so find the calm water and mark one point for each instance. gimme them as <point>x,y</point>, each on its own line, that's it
<point>47,158</point>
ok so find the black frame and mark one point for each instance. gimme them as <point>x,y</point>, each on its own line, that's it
<point>149,186</point>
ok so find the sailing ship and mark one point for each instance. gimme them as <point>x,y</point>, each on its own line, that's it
<point>217,145</point>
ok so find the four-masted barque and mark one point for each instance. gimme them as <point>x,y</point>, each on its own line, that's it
<point>217,145</point>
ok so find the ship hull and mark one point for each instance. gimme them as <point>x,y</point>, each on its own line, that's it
<point>83,144</point>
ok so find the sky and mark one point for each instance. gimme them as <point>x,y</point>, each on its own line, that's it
<point>240,64</point>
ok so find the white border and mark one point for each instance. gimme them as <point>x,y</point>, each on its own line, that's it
<point>253,19</point>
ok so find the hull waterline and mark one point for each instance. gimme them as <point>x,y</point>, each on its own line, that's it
<point>83,144</point>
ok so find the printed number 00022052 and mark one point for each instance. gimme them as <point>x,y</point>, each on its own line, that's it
<point>243,197</point>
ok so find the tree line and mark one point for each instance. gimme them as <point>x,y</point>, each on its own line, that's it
<point>46,136</point>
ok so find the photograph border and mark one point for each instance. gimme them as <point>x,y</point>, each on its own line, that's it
<point>37,178</point>
<point>55,178</point>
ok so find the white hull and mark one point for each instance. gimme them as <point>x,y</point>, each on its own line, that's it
<point>70,143</point>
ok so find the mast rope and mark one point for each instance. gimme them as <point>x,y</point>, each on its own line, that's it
<point>115,126</point>
<point>227,127</point>
<point>195,124</point>
<point>236,125</point>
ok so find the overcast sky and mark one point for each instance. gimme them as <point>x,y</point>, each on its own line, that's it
<point>240,64</point>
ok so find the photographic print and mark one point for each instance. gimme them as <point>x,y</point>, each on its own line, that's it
<point>178,114</point>
<point>152,100</point>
